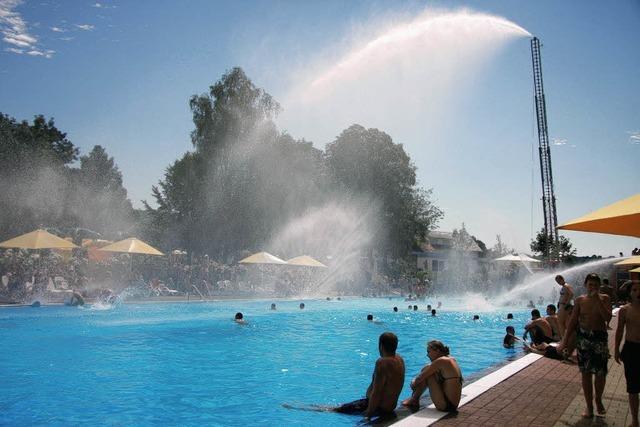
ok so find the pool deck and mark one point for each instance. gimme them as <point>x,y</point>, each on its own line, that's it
<point>545,393</point>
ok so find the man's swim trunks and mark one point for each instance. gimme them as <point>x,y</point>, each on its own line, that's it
<point>358,407</point>
<point>630,356</point>
<point>354,408</point>
<point>538,336</point>
<point>593,351</point>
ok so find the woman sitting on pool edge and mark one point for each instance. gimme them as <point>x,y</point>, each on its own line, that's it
<point>443,378</point>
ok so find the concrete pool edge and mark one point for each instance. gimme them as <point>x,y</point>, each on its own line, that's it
<point>430,414</point>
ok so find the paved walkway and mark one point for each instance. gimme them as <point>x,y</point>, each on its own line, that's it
<point>546,393</point>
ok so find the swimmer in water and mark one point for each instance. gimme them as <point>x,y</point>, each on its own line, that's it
<point>239,318</point>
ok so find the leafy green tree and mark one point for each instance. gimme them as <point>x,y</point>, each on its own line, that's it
<point>243,179</point>
<point>100,200</point>
<point>367,162</point>
<point>33,174</point>
<point>563,246</point>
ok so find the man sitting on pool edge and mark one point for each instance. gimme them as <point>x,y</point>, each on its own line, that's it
<point>386,383</point>
<point>443,378</point>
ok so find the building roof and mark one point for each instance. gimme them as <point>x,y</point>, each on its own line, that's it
<point>443,240</point>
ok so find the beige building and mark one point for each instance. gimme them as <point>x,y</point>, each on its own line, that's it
<point>435,253</point>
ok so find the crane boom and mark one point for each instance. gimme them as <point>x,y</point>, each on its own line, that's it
<point>548,196</point>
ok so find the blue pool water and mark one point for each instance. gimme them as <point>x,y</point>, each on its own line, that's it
<point>190,364</point>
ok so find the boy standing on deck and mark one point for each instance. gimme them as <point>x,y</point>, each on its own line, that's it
<point>589,322</point>
<point>629,319</point>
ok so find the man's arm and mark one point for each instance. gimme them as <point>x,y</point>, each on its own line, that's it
<point>376,388</point>
<point>622,318</point>
<point>603,306</point>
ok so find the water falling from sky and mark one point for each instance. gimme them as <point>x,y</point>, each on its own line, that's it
<point>397,76</point>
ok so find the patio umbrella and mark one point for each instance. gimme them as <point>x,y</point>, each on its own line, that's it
<point>132,246</point>
<point>38,239</point>
<point>635,270</point>
<point>621,218</point>
<point>517,258</point>
<point>262,258</point>
<point>527,258</point>
<point>634,260</point>
<point>305,261</point>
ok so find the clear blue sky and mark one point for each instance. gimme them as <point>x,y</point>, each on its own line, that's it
<point>120,74</point>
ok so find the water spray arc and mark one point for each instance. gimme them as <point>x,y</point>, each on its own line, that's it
<point>548,196</point>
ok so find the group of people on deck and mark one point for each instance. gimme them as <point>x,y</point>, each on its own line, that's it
<point>583,327</point>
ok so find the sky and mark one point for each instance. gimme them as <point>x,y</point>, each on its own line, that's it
<point>451,81</point>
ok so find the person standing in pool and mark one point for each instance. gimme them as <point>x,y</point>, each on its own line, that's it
<point>629,326</point>
<point>386,384</point>
<point>589,324</point>
<point>566,295</point>
<point>443,378</point>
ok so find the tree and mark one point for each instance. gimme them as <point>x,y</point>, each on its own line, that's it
<point>243,179</point>
<point>100,200</point>
<point>500,248</point>
<point>367,162</point>
<point>563,246</point>
<point>33,174</point>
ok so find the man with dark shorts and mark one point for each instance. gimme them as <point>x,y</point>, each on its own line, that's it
<point>566,295</point>
<point>386,383</point>
<point>552,318</point>
<point>629,325</point>
<point>589,323</point>
<point>539,329</point>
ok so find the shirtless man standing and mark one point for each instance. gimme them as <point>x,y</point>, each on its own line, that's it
<point>589,322</point>
<point>386,384</point>
<point>566,295</point>
<point>443,378</point>
<point>629,325</point>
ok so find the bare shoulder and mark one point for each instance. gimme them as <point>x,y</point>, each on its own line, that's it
<point>605,297</point>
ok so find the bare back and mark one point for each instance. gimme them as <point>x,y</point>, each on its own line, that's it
<point>630,315</point>
<point>388,382</point>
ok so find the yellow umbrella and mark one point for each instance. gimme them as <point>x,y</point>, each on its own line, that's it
<point>131,246</point>
<point>635,270</point>
<point>262,258</point>
<point>306,261</point>
<point>634,260</point>
<point>38,239</point>
<point>622,218</point>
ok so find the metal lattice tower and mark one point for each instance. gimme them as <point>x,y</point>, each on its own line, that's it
<point>548,196</point>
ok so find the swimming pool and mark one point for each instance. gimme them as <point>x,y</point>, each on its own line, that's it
<point>190,364</point>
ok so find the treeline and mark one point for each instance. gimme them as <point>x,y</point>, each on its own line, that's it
<point>42,184</point>
<point>243,181</point>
